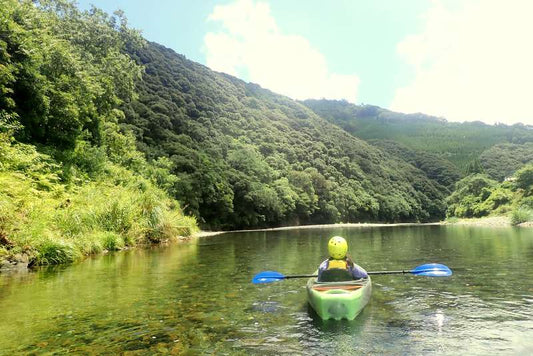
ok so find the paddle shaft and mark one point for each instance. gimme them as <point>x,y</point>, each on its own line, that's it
<point>369,273</point>
<point>429,270</point>
<point>389,272</point>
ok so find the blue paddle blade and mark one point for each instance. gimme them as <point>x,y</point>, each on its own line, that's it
<point>267,277</point>
<point>432,270</point>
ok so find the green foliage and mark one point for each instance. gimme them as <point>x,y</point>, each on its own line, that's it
<point>246,157</point>
<point>460,143</point>
<point>524,178</point>
<point>474,167</point>
<point>473,197</point>
<point>521,215</point>
<point>477,195</point>
<point>63,71</point>
<point>51,252</point>
<point>527,202</point>
<point>502,160</point>
<point>497,198</point>
<point>78,184</point>
<point>54,223</point>
<point>112,241</point>
<point>436,168</point>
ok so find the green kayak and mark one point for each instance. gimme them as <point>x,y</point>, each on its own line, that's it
<point>339,300</point>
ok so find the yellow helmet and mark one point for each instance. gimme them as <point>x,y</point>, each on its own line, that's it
<point>337,247</point>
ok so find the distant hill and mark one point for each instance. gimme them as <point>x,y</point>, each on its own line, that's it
<point>247,157</point>
<point>460,143</point>
<point>436,168</point>
<point>502,160</point>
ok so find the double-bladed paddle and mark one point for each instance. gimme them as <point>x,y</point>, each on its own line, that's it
<point>428,270</point>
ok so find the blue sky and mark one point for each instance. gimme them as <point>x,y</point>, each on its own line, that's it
<point>458,59</point>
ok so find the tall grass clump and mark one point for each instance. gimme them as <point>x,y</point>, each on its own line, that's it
<point>50,252</point>
<point>116,216</point>
<point>161,217</point>
<point>112,241</point>
<point>51,221</point>
<point>521,215</point>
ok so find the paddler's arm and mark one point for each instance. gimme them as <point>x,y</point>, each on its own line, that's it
<point>358,272</point>
<point>323,266</point>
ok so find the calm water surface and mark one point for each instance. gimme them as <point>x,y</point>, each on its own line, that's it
<point>197,298</point>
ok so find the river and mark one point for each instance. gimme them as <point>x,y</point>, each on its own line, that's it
<point>197,298</point>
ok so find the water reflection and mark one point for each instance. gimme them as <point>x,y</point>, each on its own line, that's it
<point>197,298</point>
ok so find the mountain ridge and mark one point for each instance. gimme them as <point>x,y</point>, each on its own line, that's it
<point>461,143</point>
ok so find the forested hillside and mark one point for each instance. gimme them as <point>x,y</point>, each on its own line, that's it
<point>502,160</point>
<point>246,157</point>
<point>460,143</point>
<point>71,183</point>
<point>434,166</point>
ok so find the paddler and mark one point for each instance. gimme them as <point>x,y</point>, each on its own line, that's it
<point>339,267</point>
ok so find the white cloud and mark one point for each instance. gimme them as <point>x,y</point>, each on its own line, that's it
<point>251,44</point>
<point>472,63</point>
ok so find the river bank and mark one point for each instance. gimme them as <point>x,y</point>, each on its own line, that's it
<point>21,261</point>
<point>488,221</point>
<point>320,226</point>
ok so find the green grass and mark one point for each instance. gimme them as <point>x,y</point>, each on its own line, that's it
<point>112,241</point>
<point>51,222</point>
<point>520,215</point>
<point>50,252</point>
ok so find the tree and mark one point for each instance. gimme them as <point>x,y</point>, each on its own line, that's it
<point>63,71</point>
<point>524,177</point>
<point>469,195</point>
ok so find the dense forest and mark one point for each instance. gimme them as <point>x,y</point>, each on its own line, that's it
<point>502,160</point>
<point>434,166</point>
<point>247,157</point>
<point>485,168</point>
<point>460,143</point>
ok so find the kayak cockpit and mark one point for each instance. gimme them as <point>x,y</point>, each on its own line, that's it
<point>339,300</point>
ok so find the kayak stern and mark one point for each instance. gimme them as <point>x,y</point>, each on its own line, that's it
<point>339,300</point>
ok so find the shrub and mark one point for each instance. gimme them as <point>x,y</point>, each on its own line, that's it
<point>527,202</point>
<point>521,215</point>
<point>112,241</point>
<point>51,252</point>
<point>116,216</point>
<point>524,177</point>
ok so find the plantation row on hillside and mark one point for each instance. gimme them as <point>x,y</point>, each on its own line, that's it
<point>460,143</point>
